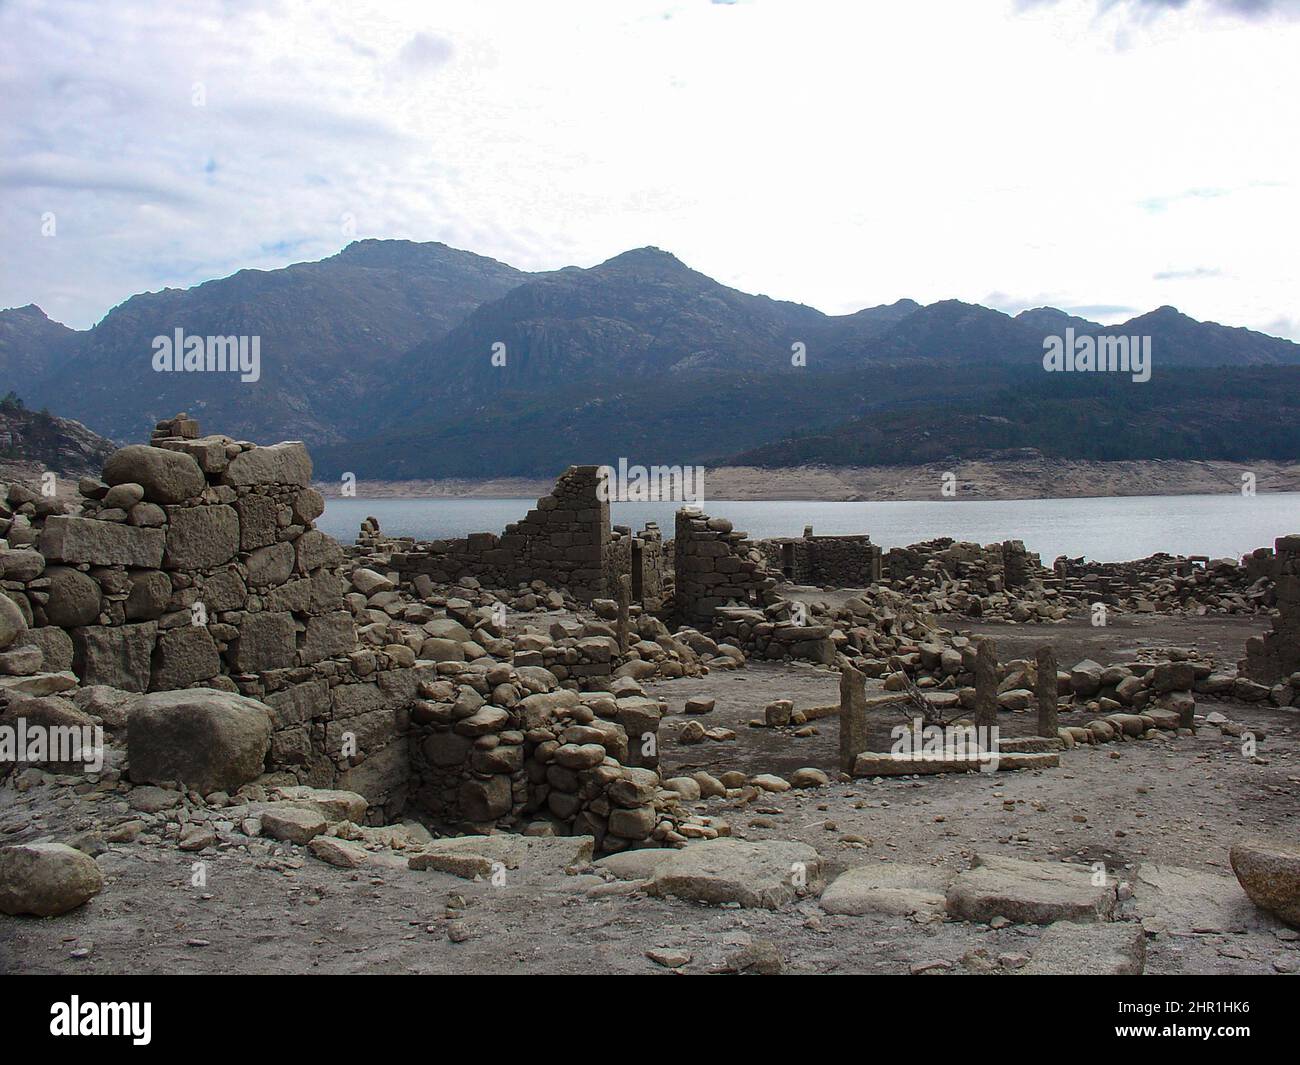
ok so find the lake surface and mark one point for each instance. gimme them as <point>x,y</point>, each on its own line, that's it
<point>1111,529</point>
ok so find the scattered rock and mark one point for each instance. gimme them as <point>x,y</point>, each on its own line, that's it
<point>46,879</point>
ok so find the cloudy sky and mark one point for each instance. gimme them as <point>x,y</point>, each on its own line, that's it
<point>1105,156</point>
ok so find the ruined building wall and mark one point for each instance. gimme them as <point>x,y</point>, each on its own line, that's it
<point>563,541</point>
<point>572,759</point>
<point>714,565</point>
<point>651,569</point>
<point>195,562</point>
<point>848,561</point>
<point>999,566</point>
<point>1276,655</point>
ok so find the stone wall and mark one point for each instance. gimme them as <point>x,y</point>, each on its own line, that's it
<point>652,576</point>
<point>563,541</point>
<point>836,561</point>
<point>715,566</point>
<point>1276,655</point>
<point>195,562</point>
<point>537,757</point>
<point>995,567</point>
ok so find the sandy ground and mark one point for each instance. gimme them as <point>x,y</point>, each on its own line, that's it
<point>1025,479</point>
<point>1182,802</point>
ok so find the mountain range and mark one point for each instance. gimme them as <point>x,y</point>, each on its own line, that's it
<point>397,360</point>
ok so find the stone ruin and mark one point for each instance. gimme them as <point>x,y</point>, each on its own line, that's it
<point>841,561</point>
<point>716,566</point>
<point>1163,583</point>
<point>1276,655</point>
<point>565,541</point>
<point>194,566</point>
<point>193,608</point>
<point>997,567</point>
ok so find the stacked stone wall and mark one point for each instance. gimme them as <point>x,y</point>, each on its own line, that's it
<point>564,541</point>
<point>1276,655</point>
<point>195,563</point>
<point>715,566</point>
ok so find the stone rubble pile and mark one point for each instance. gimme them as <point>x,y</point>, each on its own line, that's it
<point>1170,584</point>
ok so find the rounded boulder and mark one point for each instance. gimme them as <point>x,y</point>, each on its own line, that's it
<point>166,476</point>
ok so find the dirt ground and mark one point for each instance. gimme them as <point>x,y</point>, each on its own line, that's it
<point>1179,802</point>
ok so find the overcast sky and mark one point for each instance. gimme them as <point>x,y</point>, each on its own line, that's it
<point>1105,157</point>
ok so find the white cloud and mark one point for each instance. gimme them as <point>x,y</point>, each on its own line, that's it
<point>842,155</point>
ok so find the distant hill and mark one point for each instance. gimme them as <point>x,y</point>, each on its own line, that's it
<point>1195,413</point>
<point>381,357</point>
<point>638,315</point>
<point>30,346</point>
<point>330,332</point>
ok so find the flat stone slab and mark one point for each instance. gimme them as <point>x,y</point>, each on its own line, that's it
<point>333,805</point>
<point>900,890</point>
<point>38,684</point>
<point>756,874</point>
<point>101,543</point>
<point>1029,745</point>
<point>1071,949</point>
<point>638,864</point>
<point>1028,892</point>
<point>870,764</point>
<point>471,856</point>
<point>1191,901</point>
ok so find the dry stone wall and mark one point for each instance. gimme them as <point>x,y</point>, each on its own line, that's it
<point>716,566</point>
<point>1276,655</point>
<point>849,561</point>
<point>195,562</point>
<point>563,541</point>
<point>536,756</point>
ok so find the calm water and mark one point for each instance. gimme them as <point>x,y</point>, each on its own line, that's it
<point>1109,530</point>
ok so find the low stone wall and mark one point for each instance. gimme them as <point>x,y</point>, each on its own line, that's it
<point>760,636</point>
<point>850,561</point>
<point>536,757</point>
<point>1162,582</point>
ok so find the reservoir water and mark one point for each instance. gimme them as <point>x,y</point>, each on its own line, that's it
<point>1108,529</point>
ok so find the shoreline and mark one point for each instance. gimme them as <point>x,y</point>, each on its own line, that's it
<point>975,480</point>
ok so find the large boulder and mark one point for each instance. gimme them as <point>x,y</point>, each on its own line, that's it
<point>74,598</point>
<point>201,537</point>
<point>286,463</point>
<point>1271,877</point>
<point>209,740</point>
<point>184,656</point>
<point>1085,678</point>
<point>116,655</point>
<point>165,476</point>
<point>46,879</point>
<point>12,621</point>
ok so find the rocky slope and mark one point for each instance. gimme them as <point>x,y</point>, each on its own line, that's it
<point>32,442</point>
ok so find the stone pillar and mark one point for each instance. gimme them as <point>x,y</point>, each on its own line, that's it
<point>853,716</point>
<point>1045,690</point>
<point>986,684</point>
<point>624,606</point>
